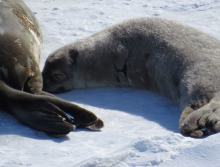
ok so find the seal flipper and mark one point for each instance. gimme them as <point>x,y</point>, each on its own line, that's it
<point>82,117</point>
<point>97,125</point>
<point>44,113</point>
<point>90,121</point>
<point>35,111</point>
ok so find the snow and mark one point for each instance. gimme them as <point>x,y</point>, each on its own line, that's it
<point>141,127</point>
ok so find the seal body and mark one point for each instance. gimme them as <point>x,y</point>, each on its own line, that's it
<point>20,78</point>
<point>175,60</point>
<point>20,46</point>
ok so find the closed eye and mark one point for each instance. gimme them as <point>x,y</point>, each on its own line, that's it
<point>59,75</point>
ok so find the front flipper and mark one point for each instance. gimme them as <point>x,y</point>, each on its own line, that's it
<point>80,117</point>
<point>45,113</point>
<point>43,116</point>
<point>201,122</point>
<point>97,125</point>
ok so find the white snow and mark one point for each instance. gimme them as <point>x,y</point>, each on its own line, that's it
<point>141,127</point>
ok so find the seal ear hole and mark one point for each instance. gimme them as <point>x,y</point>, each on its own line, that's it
<point>73,54</point>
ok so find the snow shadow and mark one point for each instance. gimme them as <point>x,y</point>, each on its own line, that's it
<point>146,104</point>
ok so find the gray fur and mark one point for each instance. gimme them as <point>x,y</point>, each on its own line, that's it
<point>175,60</point>
<point>20,78</point>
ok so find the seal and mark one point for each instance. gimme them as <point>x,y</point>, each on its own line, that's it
<point>175,60</point>
<point>21,81</point>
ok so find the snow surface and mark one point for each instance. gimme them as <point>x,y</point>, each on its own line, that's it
<point>141,127</point>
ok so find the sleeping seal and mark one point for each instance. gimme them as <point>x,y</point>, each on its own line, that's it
<point>20,78</point>
<point>148,53</point>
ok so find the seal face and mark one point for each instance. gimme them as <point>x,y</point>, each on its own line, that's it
<point>20,78</point>
<point>148,53</point>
